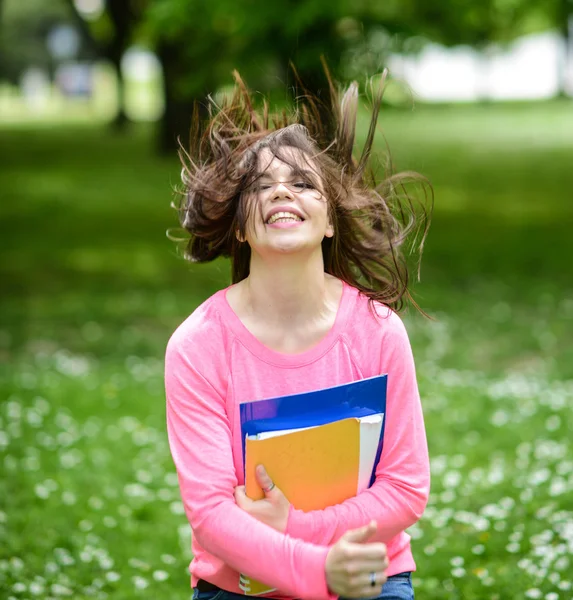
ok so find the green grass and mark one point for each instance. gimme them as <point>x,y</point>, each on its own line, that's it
<point>92,289</point>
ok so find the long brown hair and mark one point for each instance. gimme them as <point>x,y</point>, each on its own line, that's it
<point>372,217</point>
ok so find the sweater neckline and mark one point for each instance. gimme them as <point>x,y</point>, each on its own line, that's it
<point>268,355</point>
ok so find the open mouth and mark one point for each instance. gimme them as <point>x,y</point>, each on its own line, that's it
<point>284,217</point>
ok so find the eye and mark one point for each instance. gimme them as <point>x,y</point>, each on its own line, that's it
<point>303,185</point>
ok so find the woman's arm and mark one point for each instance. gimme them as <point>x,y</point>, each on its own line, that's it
<point>399,495</point>
<point>201,446</point>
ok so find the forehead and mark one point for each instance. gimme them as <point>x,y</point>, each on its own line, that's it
<point>285,159</point>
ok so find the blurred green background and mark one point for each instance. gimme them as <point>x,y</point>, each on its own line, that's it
<point>92,97</point>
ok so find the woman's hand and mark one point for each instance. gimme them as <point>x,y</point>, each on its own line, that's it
<point>273,509</point>
<point>355,568</point>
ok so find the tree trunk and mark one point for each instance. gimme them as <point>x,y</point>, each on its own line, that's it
<point>174,127</point>
<point>565,20</point>
<point>122,17</point>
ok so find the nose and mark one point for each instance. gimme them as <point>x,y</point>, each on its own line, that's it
<point>281,191</point>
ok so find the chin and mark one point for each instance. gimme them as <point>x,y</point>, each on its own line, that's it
<point>292,246</point>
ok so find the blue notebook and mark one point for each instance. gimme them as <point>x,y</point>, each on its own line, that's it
<point>357,399</point>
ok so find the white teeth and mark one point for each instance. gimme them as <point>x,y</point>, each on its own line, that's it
<point>284,217</point>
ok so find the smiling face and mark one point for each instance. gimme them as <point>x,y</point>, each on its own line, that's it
<point>288,210</point>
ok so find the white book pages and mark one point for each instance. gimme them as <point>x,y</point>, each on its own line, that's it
<point>370,428</point>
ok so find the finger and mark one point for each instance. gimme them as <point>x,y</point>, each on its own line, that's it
<point>365,587</point>
<point>265,481</point>
<point>364,568</point>
<point>241,497</point>
<point>361,534</point>
<point>367,551</point>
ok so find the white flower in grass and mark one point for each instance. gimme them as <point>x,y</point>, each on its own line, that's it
<point>558,486</point>
<point>140,583</point>
<point>19,587</point>
<point>481,524</point>
<point>106,562</point>
<point>564,585</point>
<point>51,568</point>
<point>71,458</point>
<point>457,561</point>
<point>109,522</point>
<point>69,498</point>
<point>437,465</point>
<point>562,563</point>
<point>143,476</point>
<point>451,479</point>
<point>177,508</point>
<point>60,590</point>
<point>458,461</point>
<point>112,576</point>
<point>430,550</point>
<point>533,593</point>
<point>90,590</point>
<point>165,494</point>
<point>478,549</point>
<point>34,418</point>
<point>493,511</point>
<point>98,583</point>
<point>41,491</point>
<point>544,537</point>
<point>516,536</point>
<point>554,578</point>
<point>553,423</point>
<point>513,547</point>
<point>500,418</point>
<point>526,496</point>
<point>552,596</point>
<point>136,563</point>
<point>458,572</point>
<point>171,479</point>
<point>95,503</point>
<point>16,564</point>
<point>136,490</point>
<point>85,525</point>
<point>477,475</point>
<point>160,575</point>
<point>168,559</point>
<point>565,467</point>
<point>507,503</point>
<point>36,588</point>
<point>447,496</point>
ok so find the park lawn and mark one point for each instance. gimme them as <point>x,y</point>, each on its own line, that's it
<point>92,289</point>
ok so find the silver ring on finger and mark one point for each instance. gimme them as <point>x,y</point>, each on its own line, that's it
<point>270,488</point>
<point>372,579</point>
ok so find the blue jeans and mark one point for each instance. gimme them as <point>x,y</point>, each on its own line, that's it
<point>397,587</point>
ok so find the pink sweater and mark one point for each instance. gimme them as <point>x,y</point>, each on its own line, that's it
<point>212,364</point>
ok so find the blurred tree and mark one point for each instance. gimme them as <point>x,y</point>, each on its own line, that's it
<point>482,23</point>
<point>24,28</point>
<point>199,44</point>
<point>110,35</point>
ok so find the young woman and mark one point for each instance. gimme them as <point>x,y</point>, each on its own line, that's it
<point>317,274</point>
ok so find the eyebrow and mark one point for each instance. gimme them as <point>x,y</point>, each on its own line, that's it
<point>294,171</point>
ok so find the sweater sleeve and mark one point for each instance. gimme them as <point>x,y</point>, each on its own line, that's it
<point>200,440</point>
<point>399,494</point>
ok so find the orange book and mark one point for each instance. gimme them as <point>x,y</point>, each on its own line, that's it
<point>315,467</point>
